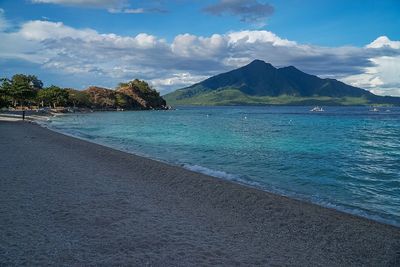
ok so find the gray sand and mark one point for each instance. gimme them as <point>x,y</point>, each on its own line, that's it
<point>64,201</point>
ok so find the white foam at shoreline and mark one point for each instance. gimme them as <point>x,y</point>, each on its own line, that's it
<point>210,172</point>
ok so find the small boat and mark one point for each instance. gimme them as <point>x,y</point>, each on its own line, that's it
<point>317,109</point>
<point>374,110</point>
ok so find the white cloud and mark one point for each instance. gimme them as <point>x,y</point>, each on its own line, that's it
<point>384,41</point>
<point>140,10</point>
<point>187,45</point>
<point>177,80</point>
<point>251,37</point>
<point>383,78</point>
<point>190,58</point>
<point>112,6</point>
<point>85,3</point>
<point>42,30</point>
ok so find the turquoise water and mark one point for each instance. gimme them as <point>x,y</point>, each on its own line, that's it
<point>347,158</point>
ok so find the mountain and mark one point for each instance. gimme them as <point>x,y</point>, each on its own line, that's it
<point>260,83</point>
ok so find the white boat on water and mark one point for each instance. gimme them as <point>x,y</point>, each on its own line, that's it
<point>317,109</point>
<point>374,110</point>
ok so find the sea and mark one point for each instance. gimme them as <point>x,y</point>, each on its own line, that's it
<point>346,158</point>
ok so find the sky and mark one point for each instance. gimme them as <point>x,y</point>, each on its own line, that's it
<point>173,44</point>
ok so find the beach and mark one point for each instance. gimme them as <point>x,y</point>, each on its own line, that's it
<point>65,201</point>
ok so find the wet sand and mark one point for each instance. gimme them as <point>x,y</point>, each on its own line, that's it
<point>64,201</point>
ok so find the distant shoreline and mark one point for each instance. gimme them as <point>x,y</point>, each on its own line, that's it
<point>38,115</point>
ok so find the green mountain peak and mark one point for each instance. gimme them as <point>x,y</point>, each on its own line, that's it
<point>260,83</point>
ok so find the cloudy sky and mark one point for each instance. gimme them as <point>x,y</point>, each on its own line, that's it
<point>171,44</point>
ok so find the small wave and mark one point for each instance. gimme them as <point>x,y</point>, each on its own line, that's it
<point>222,175</point>
<point>210,172</point>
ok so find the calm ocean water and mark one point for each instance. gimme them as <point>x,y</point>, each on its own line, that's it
<point>347,158</point>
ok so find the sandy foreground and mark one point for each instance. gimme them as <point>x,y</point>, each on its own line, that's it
<point>65,201</point>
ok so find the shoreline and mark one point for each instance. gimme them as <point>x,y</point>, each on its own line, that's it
<point>87,193</point>
<point>230,177</point>
<point>31,115</point>
<point>42,117</point>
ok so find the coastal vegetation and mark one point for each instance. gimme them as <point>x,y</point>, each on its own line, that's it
<point>27,91</point>
<point>233,96</point>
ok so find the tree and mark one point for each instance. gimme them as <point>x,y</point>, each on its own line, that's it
<point>78,98</point>
<point>60,96</point>
<point>123,84</point>
<point>53,96</point>
<point>24,88</point>
<point>5,91</point>
<point>138,84</point>
<point>121,100</point>
<point>44,97</point>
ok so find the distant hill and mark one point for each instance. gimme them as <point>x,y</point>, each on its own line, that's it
<point>260,83</point>
<point>135,94</point>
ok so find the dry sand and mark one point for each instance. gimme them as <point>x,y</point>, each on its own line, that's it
<point>64,201</point>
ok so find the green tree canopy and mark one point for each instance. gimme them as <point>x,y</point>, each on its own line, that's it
<point>24,88</point>
<point>53,96</point>
<point>5,92</point>
<point>78,98</point>
<point>142,86</point>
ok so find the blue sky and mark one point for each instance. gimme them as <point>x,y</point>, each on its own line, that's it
<point>76,43</point>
